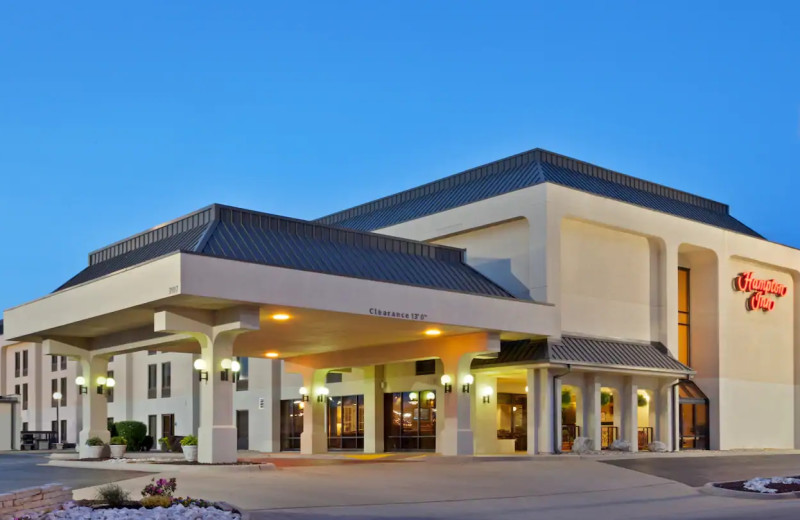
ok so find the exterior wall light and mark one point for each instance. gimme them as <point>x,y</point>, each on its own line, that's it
<point>81,382</point>
<point>236,367</point>
<point>226,365</point>
<point>486,393</point>
<point>447,384</point>
<point>304,394</point>
<point>200,366</point>
<point>430,396</point>
<point>322,393</point>
<point>102,382</point>
<point>467,382</point>
<point>413,397</point>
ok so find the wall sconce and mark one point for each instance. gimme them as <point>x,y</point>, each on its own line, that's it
<point>200,366</point>
<point>430,397</point>
<point>81,382</point>
<point>304,394</point>
<point>322,393</point>
<point>226,369</point>
<point>446,383</point>
<point>236,367</point>
<point>103,383</point>
<point>486,393</point>
<point>467,382</point>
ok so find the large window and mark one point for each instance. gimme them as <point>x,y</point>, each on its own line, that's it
<point>410,421</point>
<point>684,346</point>
<point>291,424</point>
<point>166,379</point>
<point>152,384</point>
<point>346,422</point>
<point>512,419</point>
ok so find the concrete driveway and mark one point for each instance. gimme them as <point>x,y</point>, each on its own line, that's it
<point>698,470</point>
<point>21,470</point>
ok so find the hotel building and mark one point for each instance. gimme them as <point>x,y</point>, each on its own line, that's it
<point>509,308</point>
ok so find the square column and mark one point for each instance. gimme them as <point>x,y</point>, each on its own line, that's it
<point>265,425</point>
<point>630,413</point>
<point>456,437</point>
<point>530,387</point>
<point>373,409</point>
<point>591,410</point>
<point>544,411</point>
<point>486,416</point>
<point>666,406</point>
<point>314,438</point>
<point>217,431</point>
<point>95,405</point>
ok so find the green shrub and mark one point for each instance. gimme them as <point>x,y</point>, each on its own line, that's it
<point>113,495</point>
<point>189,440</point>
<point>147,445</point>
<point>134,432</point>
<point>156,501</point>
<point>95,441</point>
<point>118,441</point>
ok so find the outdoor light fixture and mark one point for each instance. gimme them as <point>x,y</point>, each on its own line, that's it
<point>57,396</point>
<point>430,396</point>
<point>447,384</point>
<point>467,381</point>
<point>236,367</point>
<point>271,355</point>
<point>81,382</point>
<point>304,393</point>
<point>226,365</point>
<point>433,332</point>
<point>101,384</point>
<point>486,393</point>
<point>413,397</point>
<point>280,316</point>
<point>111,382</point>
<point>322,393</point>
<point>200,366</point>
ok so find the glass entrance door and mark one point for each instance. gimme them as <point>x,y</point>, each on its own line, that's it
<point>693,417</point>
<point>410,421</point>
<point>512,419</point>
<point>291,424</point>
<point>346,422</point>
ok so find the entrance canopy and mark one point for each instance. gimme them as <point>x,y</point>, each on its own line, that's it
<point>337,289</point>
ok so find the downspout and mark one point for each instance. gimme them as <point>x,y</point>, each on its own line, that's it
<point>557,409</point>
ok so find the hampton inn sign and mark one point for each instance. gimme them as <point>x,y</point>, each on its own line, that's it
<point>745,282</point>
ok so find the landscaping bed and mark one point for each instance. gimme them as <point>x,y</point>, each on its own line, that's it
<point>770,486</point>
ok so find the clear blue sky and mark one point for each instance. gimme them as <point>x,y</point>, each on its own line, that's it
<point>114,119</point>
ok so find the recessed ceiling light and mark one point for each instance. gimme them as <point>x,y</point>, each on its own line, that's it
<point>272,355</point>
<point>433,332</point>
<point>280,317</point>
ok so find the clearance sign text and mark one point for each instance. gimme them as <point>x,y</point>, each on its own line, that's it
<point>746,282</point>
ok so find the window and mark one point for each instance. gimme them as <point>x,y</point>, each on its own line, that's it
<point>166,379</point>
<point>168,425</point>
<point>291,424</point>
<point>333,377</point>
<point>426,367</point>
<point>684,346</point>
<point>54,426</point>
<point>242,383</point>
<point>25,396</point>
<point>16,390</point>
<point>24,363</point>
<point>53,389</point>
<point>63,391</point>
<point>17,364</point>
<point>410,421</point>
<point>110,391</point>
<point>24,426</point>
<point>346,422</point>
<point>53,363</point>
<point>152,375</point>
<point>152,426</point>
<point>63,362</point>
<point>151,352</point>
<point>63,430</point>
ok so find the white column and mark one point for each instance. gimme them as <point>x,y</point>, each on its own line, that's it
<point>95,406</point>
<point>265,421</point>
<point>591,409</point>
<point>630,416</point>
<point>314,438</point>
<point>485,425</point>
<point>456,437</point>
<point>556,414</point>
<point>544,407</point>
<point>373,409</point>
<point>530,383</point>
<point>665,403</point>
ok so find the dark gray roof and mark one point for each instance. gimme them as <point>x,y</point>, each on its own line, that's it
<point>529,169</point>
<point>238,234</point>
<point>579,350</point>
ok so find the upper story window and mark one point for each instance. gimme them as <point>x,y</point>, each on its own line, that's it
<point>63,362</point>
<point>53,363</point>
<point>24,363</point>
<point>684,345</point>
<point>166,379</point>
<point>242,382</point>
<point>17,363</point>
<point>152,376</point>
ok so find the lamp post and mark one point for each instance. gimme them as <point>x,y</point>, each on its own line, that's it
<point>57,396</point>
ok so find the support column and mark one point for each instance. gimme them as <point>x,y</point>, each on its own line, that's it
<point>665,407</point>
<point>591,410</point>
<point>314,438</point>
<point>531,392</point>
<point>373,409</point>
<point>485,425</point>
<point>630,416</point>
<point>555,400</point>
<point>95,405</point>
<point>265,424</point>
<point>544,406</point>
<point>456,437</point>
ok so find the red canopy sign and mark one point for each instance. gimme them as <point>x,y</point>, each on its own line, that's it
<point>745,282</point>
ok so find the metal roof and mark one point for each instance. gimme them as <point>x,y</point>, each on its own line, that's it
<point>238,234</point>
<point>529,169</point>
<point>579,350</point>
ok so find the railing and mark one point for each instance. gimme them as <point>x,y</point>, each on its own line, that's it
<point>608,434</point>
<point>569,432</point>
<point>645,437</point>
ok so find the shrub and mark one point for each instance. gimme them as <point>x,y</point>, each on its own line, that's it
<point>160,487</point>
<point>134,432</point>
<point>156,501</point>
<point>189,440</point>
<point>147,445</point>
<point>164,441</point>
<point>113,495</point>
<point>118,441</point>
<point>95,441</point>
<point>112,429</point>
<point>189,501</point>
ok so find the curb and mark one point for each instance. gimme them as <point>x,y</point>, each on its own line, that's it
<point>146,467</point>
<point>711,489</point>
<point>227,506</point>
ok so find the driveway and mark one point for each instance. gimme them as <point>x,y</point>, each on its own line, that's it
<point>696,471</point>
<point>21,470</point>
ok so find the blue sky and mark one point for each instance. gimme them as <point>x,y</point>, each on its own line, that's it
<point>116,118</point>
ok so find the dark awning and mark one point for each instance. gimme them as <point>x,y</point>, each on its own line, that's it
<point>587,351</point>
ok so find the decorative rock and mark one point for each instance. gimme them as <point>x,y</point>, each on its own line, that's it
<point>582,445</point>
<point>620,445</point>
<point>657,447</point>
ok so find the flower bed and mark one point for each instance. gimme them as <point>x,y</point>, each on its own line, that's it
<point>769,486</point>
<point>72,511</point>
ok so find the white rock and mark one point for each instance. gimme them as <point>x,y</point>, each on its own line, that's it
<point>657,447</point>
<point>759,484</point>
<point>582,445</point>
<point>620,445</point>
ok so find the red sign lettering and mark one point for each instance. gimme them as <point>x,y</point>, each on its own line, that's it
<point>759,300</point>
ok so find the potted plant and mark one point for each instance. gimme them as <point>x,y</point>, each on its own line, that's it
<point>189,446</point>
<point>118,447</point>
<point>164,443</point>
<point>94,447</point>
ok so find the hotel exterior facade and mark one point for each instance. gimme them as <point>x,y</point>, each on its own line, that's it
<point>510,308</point>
